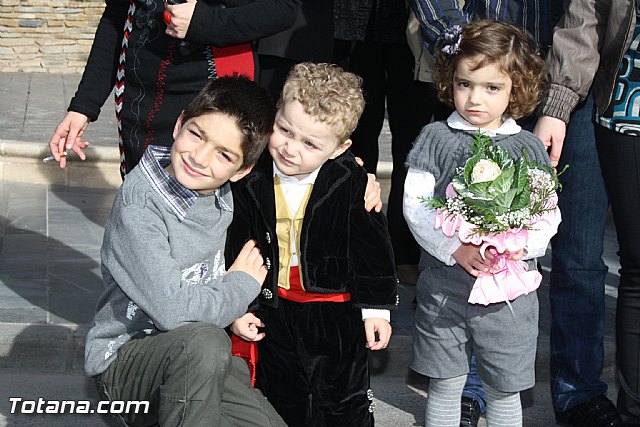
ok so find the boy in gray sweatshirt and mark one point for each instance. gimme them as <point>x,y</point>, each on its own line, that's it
<point>158,331</point>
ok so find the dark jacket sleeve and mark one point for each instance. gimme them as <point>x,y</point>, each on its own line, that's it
<point>435,16</point>
<point>100,72</point>
<point>240,21</point>
<point>370,253</point>
<point>241,229</point>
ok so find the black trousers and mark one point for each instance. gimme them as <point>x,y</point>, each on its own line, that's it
<point>312,365</point>
<point>620,162</point>
<point>389,86</point>
<point>190,379</point>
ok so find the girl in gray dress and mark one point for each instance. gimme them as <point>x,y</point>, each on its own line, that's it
<point>492,74</point>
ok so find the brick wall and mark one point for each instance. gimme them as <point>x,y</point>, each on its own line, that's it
<point>47,35</point>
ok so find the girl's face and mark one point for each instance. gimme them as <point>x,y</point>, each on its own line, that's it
<point>481,96</point>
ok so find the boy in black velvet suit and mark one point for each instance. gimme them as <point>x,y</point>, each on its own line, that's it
<point>331,279</point>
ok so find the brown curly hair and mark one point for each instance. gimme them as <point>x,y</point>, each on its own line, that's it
<point>511,48</point>
<point>328,94</point>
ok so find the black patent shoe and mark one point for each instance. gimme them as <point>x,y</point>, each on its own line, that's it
<point>469,412</point>
<point>597,412</point>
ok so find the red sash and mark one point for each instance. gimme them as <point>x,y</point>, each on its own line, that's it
<point>234,59</point>
<point>297,294</point>
<point>249,350</point>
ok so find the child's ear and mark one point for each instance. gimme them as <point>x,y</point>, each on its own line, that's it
<point>341,148</point>
<point>241,174</point>
<point>178,126</point>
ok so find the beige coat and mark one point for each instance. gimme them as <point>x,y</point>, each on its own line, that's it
<point>588,45</point>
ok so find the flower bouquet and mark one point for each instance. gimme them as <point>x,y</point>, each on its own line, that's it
<point>494,200</point>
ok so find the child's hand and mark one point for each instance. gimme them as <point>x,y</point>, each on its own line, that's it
<point>250,261</point>
<point>516,256</point>
<point>468,256</point>
<point>372,194</point>
<point>246,327</point>
<point>382,327</point>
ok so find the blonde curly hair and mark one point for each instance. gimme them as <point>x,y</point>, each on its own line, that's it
<point>512,49</point>
<point>328,94</point>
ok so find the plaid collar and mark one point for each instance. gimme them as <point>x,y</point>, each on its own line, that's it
<point>178,197</point>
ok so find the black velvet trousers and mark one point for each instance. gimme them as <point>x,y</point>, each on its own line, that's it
<point>312,365</point>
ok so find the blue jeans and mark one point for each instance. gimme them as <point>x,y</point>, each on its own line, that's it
<point>473,386</point>
<point>577,269</point>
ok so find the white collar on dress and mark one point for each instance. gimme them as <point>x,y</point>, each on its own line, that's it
<point>509,126</point>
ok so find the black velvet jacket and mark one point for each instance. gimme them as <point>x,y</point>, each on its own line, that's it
<point>343,247</point>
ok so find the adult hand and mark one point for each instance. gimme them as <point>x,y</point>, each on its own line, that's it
<point>552,132</point>
<point>67,136</point>
<point>250,261</point>
<point>382,327</point>
<point>180,18</point>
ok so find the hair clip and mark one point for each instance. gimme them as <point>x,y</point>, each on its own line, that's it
<point>450,40</point>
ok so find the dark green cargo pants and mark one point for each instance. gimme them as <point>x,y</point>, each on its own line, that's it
<point>189,378</point>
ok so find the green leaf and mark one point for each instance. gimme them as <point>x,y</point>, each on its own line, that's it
<point>505,199</point>
<point>479,204</point>
<point>503,182</point>
<point>480,189</point>
<point>521,175</point>
<point>468,167</point>
<point>521,200</point>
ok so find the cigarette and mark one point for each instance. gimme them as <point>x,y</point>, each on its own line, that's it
<point>49,158</point>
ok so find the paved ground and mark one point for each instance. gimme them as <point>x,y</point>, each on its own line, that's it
<point>50,280</point>
<point>33,105</point>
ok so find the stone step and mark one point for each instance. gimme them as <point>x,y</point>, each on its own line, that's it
<point>21,161</point>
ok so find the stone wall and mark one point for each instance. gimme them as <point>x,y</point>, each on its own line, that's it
<point>47,35</point>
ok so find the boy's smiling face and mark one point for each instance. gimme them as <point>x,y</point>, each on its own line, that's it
<point>301,144</point>
<point>207,152</point>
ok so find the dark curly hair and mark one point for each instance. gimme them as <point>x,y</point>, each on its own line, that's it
<point>512,49</point>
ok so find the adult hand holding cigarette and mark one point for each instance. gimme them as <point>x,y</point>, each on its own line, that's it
<point>49,158</point>
<point>67,138</point>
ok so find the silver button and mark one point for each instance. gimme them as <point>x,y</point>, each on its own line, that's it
<point>267,262</point>
<point>267,293</point>
<point>268,237</point>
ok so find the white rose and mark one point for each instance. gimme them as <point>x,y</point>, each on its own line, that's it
<point>485,170</point>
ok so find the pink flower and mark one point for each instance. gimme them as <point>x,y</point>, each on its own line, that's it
<point>450,191</point>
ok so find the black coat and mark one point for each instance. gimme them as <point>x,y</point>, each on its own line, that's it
<point>157,82</point>
<point>343,247</point>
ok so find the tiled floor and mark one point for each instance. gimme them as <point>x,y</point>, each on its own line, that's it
<point>50,239</point>
<point>50,280</point>
<point>49,253</point>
